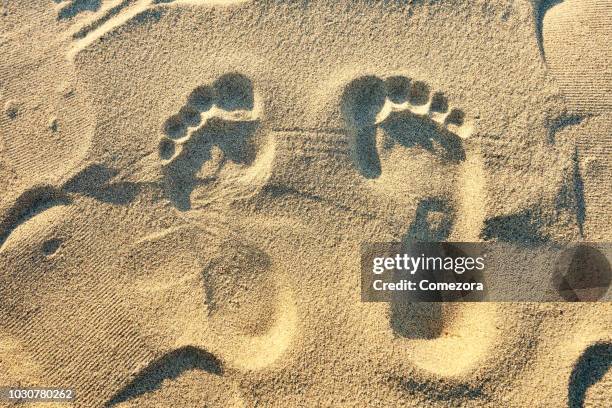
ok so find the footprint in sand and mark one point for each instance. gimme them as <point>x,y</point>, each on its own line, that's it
<point>464,329</point>
<point>409,115</point>
<point>230,298</point>
<point>407,138</point>
<point>410,143</point>
<point>213,137</point>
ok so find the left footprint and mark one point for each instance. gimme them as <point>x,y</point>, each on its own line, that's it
<point>211,138</point>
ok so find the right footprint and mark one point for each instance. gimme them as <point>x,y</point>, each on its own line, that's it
<point>386,114</point>
<point>409,142</point>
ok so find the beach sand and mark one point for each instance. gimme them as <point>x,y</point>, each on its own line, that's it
<point>186,186</point>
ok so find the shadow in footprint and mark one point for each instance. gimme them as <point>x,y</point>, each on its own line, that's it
<point>51,246</point>
<point>234,143</point>
<point>561,123</point>
<point>361,102</point>
<point>366,154</point>
<point>411,131</point>
<point>571,195</point>
<point>443,391</point>
<point>433,222</point>
<point>94,182</point>
<point>209,147</point>
<point>578,187</point>
<point>170,366</point>
<point>522,229</point>
<point>234,92</point>
<point>590,368</point>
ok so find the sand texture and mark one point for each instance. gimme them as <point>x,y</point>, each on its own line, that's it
<point>185,186</point>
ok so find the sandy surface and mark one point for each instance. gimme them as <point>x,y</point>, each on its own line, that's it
<point>186,185</point>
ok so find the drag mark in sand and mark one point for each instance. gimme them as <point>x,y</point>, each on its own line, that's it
<point>170,366</point>
<point>540,8</point>
<point>107,18</point>
<point>113,14</point>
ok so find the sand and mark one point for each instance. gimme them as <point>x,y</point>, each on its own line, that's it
<point>186,185</point>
